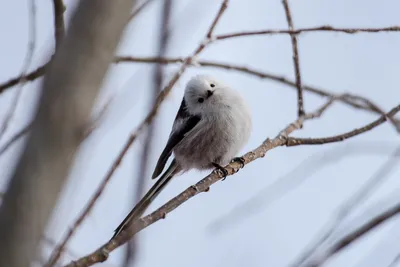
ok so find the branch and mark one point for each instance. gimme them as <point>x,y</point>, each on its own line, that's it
<point>349,99</point>
<point>149,118</point>
<point>140,8</point>
<point>293,141</point>
<point>59,27</point>
<point>296,63</point>
<point>69,90</point>
<point>21,133</point>
<point>325,28</point>
<point>25,67</point>
<point>28,77</point>
<point>158,78</point>
<point>372,184</point>
<point>354,235</point>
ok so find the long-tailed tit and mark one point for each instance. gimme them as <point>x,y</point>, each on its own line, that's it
<point>213,123</point>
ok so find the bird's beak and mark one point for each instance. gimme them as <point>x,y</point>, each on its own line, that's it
<point>209,93</point>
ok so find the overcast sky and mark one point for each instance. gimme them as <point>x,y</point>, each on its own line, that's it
<point>264,233</point>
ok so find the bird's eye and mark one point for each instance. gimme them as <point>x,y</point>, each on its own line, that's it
<point>200,100</point>
<point>212,85</point>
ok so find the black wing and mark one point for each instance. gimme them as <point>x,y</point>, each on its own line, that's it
<point>184,122</point>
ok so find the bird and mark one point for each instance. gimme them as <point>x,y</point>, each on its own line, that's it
<point>212,125</point>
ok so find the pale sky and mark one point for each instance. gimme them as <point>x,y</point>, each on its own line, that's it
<point>272,234</point>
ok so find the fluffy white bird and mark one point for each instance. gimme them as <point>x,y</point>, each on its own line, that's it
<point>212,124</point>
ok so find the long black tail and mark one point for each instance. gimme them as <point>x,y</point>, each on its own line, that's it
<point>142,205</point>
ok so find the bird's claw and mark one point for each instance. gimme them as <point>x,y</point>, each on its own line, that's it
<point>240,160</point>
<point>222,169</point>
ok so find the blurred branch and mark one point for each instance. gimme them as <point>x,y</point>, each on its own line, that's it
<point>59,27</point>
<point>102,253</point>
<point>158,78</point>
<point>89,129</point>
<point>372,184</point>
<point>69,90</point>
<point>39,72</point>
<point>21,133</point>
<point>395,261</point>
<point>296,63</point>
<point>149,118</point>
<point>353,235</point>
<point>290,181</point>
<point>140,8</point>
<point>25,67</point>
<point>325,28</point>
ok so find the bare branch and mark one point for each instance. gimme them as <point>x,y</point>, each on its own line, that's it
<point>325,28</point>
<point>395,261</point>
<point>25,67</point>
<point>21,133</point>
<point>149,118</point>
<point>69,90</point>
<point>158,77</point>
<point>348,206</point>
<point>293,141</point>
<point>59,27</point>
<point>39,72</point>
<point>357,233</point>
<point>140,8</point>
<point>296,63</point>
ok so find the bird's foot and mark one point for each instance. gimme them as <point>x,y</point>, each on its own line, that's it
<point>240,160</point>
<point>222,169</point>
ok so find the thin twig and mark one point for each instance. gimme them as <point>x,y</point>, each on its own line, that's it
<point>395,261</point>
<point>37,73</point>
<point>357,233</point>
<point>296,63</point>
<point>149,118</point>
<point>158,77</point>
<point>40,71</point>
<point>293,141</point>
<point>21,133</point>
<point>59,27</point>
<point>140,8</point>
<point>348,206</point>
<point>25,67</point>
<point>325,28</point>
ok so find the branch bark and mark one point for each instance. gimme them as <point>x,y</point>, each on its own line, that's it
<point>69,90</point>
<point>296,62</point>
